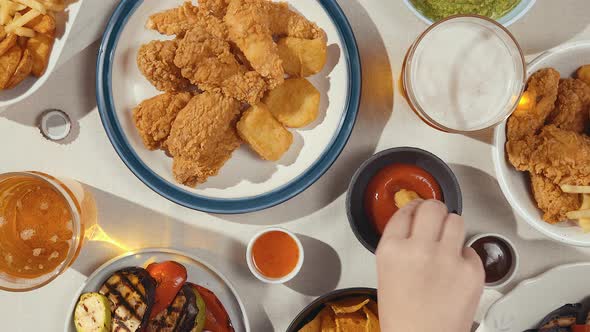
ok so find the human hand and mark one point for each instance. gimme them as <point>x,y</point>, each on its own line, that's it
<point>427,280</point>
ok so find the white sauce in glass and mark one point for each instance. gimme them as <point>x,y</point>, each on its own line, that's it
<point>466,75</point>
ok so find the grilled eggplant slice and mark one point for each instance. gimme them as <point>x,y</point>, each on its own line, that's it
<point>93,313</point>
<point>180,316</point>
<point>131,292</point>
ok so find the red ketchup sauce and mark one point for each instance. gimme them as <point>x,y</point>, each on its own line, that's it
<point>380,193</point>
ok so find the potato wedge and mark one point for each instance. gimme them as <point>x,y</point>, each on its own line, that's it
<point>8,64</point>
<point>302,57</point>
<point>265,135</point>
<point>583,73</point>
<point>22,70</point>
<point>42,24</point>
<point>40,46</point>
<point>7,43</point>
<point>295,103</point>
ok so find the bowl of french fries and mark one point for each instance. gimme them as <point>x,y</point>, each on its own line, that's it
<point>32,35</point>
<point>560,211</point>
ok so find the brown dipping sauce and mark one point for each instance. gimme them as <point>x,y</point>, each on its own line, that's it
<point>496,256</point>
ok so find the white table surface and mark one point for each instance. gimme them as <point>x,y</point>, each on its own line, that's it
<point>137,217</point>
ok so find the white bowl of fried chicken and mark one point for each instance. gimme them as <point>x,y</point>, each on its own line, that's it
<point>542,152</point>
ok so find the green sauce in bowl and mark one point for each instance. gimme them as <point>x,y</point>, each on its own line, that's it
<point>440,9</point>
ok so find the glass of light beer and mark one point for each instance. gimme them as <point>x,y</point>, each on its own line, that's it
<point>42,223</point>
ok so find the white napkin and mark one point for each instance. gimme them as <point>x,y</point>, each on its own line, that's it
<point>89,26</point>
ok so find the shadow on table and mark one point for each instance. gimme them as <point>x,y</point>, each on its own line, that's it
<point>126,226</point>
<point>484,136</point>
<point>321,268</point>
<point>549,13</point>
<point>71,88</point>
<point>374,112</point>
<point>483,200</point>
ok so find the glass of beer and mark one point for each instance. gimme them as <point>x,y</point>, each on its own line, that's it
<point>42,223</point>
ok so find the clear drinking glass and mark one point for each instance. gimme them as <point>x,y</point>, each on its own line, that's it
<point>42,224</point>
<point>464,73</point>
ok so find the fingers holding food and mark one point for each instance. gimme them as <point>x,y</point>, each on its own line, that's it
<point>295,103</point>
<point>8,64</point>
<point>302,57</point>
<point>22,70</point>
<point>265,135</point>
<point>40,47</point>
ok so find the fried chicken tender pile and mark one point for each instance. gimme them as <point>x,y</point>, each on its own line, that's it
<point>222,58</point>
<point>548,141</point>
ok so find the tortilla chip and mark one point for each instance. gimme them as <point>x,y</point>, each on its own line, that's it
<point>349,305</point>
<point>328,320</point>
<point>372,321</point>
<point>351,322</point>
<point>313,326</point>
<point>372,305</point>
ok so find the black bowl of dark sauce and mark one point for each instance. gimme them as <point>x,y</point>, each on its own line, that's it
<point>498,256</point>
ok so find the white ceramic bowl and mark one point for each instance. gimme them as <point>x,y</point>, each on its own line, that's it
<point>514,184</point>
<point>514,15</point>
<point>515,259</point>
<point>255,271</point>
<point>65,24</point>
<point>530,301</point>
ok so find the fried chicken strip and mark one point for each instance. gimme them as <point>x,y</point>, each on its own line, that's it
<point>208,62</point>
<point>178,21</point>
<point>551,200</point>
<point>203,137</point>
<point>153,117</point>
<point>542,89</point>
<point>571,108</point>
<point>562,156</point>
<point>155,60</point>
<point>252,24</point>
<point>525,123</point>
<point>217,8</point>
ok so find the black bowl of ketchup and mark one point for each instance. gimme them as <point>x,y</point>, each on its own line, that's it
<point>371,197</point>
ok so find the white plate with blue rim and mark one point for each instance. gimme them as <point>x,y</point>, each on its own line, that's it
<point>245,183</point>
<point>198,272</point>
<point>525,306</point>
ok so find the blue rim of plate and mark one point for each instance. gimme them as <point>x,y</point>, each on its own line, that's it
<point>175,193</point>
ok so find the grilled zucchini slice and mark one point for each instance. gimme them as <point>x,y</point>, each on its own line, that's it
<point>131,292</point>
<point>93,313</point>
<point>202,308</point>
<point>180,316</point>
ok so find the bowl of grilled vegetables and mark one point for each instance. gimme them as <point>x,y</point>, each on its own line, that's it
<point>166,291</point>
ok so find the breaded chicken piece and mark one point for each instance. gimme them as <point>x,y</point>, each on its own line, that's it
<point>208,62</point>
<point>525,123</point>
<point>178,21</point>
<point>562,156</point>
<point>217,8</point>
<point>153,117</point>
<point>571,108</point>
<point>203,137</point>
<point>551,200</point>
<point>155,60</point>
<point>542,88</point>
<point>252,25</point>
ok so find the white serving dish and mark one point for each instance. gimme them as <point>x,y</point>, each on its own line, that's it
<point>65,25</point>
<point>514,184</point>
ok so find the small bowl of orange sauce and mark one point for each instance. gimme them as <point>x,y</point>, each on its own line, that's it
<point>274,255</point>
<point>389,180</point>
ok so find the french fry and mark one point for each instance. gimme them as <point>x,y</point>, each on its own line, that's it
<point>579,214</point>
<point>36,5</point>
<point>7,43</point>
<point>24,32</point>
<point>18,22</point>
<point>571,189</point>
<point>4,12</point>
<point>585,222</point>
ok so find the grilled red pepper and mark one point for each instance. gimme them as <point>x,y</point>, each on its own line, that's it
<point>169,276</point>
<point>217,317</point>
